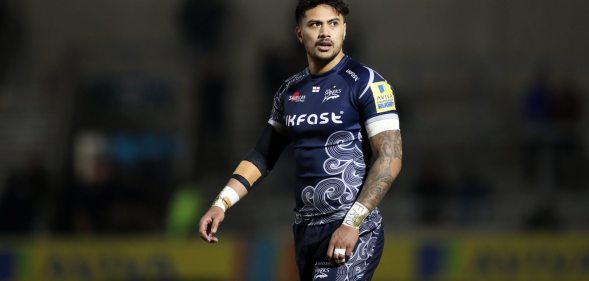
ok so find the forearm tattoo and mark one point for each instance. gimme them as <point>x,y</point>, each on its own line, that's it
<point>387,147</point>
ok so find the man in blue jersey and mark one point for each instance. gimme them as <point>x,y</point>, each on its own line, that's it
<point>341,117</point>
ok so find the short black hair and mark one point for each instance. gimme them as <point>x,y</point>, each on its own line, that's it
<point>339,5</point>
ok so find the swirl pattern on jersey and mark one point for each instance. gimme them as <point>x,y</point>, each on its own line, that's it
<point>336,194</point>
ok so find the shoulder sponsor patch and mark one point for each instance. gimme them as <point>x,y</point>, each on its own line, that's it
<point>384,99</point>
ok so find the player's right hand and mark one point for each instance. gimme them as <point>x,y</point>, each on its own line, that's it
<point>209,223</point>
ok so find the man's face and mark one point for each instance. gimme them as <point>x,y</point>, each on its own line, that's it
<point>322,31</point>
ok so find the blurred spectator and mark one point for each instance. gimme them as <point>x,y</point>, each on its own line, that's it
<point>92,200</point>
<point>120,180</point>
<point>20,201</point>
<point>537,115</point>
<point>93,183</point>
<point>552,147</point>
<point>185,206</point>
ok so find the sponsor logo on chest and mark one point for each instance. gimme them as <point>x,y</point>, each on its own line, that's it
<point>293,120</point>
<point>296,97</point>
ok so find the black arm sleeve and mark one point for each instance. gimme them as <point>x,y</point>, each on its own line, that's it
<point>267,150</point>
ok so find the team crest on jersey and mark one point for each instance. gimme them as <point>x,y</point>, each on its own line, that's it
<point>384,98</point>
<point>331,94</point>
<point>296,97</point>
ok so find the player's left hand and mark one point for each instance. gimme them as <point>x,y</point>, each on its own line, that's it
<point>345,237</point>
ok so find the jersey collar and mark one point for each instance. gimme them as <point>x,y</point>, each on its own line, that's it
<point>336,68</point>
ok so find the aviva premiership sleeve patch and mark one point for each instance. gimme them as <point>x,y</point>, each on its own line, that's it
<point>384,99</point>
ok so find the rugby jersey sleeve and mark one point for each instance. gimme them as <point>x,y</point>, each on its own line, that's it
<point>376,103</point>
<point>276,119</point>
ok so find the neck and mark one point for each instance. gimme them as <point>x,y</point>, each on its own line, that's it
<point>317,67</point>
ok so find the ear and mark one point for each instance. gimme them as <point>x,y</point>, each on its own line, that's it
<point>345,28</point>
<point>299,33</point>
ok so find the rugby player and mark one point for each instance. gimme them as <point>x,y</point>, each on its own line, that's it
<point>342,119</point>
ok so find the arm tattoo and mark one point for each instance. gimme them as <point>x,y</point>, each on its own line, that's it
<point>386,147</point>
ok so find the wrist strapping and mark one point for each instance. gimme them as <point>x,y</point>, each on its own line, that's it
<point>226,198</point>
<point>356,215</point>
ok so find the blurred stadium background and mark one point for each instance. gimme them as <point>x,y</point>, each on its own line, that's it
<point>120,120</point>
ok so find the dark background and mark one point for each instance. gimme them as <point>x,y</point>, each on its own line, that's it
<point>112,111</point>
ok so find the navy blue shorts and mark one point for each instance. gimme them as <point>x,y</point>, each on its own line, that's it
<point>311,244</point>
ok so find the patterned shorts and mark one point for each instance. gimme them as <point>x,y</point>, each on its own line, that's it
<point>311,244</point>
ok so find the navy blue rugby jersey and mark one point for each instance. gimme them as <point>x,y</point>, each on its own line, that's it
<point>329,118</point>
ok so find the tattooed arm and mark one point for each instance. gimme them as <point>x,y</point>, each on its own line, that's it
<point>386,148</point>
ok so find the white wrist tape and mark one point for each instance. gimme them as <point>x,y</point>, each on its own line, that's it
<point>356,215</point>
<point>226,198</point>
